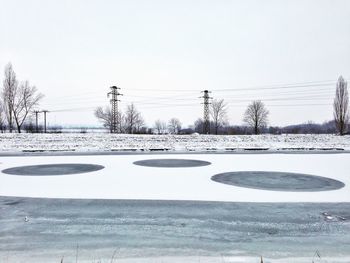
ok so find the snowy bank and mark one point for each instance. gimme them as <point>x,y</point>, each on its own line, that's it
<point>172,143</point>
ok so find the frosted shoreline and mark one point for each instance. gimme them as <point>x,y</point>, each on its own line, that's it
<point>84,143</point>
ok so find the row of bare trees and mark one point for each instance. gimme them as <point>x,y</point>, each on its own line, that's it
<point>17,101</point>
<point>173,126</point>
<point>255,116</point>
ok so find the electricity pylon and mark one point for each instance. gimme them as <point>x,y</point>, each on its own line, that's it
<point>206,103</point>
<point>114,103</point>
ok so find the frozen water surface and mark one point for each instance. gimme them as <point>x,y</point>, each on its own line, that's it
<point>171,163</point>
<point>53,169</point>
<point>278,181</point>
<point>100,213</point>
<point>170,228</point>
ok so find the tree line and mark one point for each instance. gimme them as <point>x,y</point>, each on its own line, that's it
<point>255,119</point>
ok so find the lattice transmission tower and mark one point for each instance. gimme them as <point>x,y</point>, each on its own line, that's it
<point>114,103</point>
<point>206,119</point>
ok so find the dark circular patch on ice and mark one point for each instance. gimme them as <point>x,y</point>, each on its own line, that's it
<point>53,169</point>
<point>278,181</point>
<point>171,163</point>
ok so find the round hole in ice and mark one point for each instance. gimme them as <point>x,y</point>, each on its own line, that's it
<point>278,181</point>
<point>53,169</point>
<point>172,163</point>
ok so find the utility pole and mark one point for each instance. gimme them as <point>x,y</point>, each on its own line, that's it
<point>206,124</point>
<point>45,111</point>
<point>36,120</point>
<point>114,103</point>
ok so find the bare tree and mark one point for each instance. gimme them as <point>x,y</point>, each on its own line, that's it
<point>140,125</point>
<point>160,127</point>
<point>174,125</point>
<point>106,118</point>
<point>26,98</point>
<point>256,116</point>
<point>133,119</point>
<point>218,112</point>
<point>10,86</point>
<point>2,118</point>
<point>198,125</point>
<point>341,106</point>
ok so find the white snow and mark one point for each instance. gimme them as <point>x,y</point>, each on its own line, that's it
<point>101,142</point>
<point>121,179</point>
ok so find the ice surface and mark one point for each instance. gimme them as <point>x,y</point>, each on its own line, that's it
<point>278,181</point>
<point>53,169</point>
<point>171,231</point>
<point>171,163</point>
<point>121,179</point>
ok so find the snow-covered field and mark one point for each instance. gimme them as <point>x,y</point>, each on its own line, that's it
<point>103,142</point>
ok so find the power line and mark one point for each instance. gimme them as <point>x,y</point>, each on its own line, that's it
<point>316,91</point>
<point>158,100</point>
<point>73,109</point>
<point>299,105</point>
<point>191,105</point>
<point>276,87</point>
<point>299,85</point>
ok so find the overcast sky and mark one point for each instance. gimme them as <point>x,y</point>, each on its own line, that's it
<point>162,53</point>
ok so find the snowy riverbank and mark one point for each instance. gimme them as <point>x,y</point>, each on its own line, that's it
<point>16,143</point>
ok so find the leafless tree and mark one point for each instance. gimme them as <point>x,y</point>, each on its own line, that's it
<point>160,127</point>
<point>9,92</point>
<point>218,112</point>
<point>140,125</point>
<point>198,125</point>
<point>133,119</point>
<point>256,116</point>
<point>341,106</point>
<point>174,125</point>
<point>26,98</point>
<point>105,117</point>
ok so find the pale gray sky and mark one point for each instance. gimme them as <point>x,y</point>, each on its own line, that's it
<point>162,53</point>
